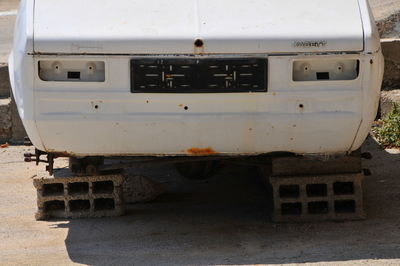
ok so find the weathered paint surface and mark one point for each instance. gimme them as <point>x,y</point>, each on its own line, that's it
<point>105,118</point>
<point>138,27</point>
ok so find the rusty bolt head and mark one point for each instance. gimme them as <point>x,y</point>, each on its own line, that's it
<point>198,43</point>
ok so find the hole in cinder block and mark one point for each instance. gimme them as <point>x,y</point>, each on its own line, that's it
<point>54,205</point>
<point>289,191</point>
<point>343,188</point>
<point>56,189</point>
<point>317,190</point>
<point>104,204</point>
<point>345,206</point>
<point>318,207</point>
<point>106,187</point>
<point>78,188</point>
<point>79,205</point>
<point>291,208</point>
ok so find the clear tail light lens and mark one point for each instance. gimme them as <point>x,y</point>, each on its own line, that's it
<point>325,69</point>
<point>73,71</point>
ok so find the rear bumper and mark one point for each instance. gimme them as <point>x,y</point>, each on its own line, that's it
<point>199,134</point>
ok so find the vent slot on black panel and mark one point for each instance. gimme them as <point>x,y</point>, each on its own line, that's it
<point>74,75</point>
<point>198,75</point>
<point>322,75</point>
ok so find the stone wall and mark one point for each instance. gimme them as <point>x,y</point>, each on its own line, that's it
<point>11,128</point>
<point>5,88</point>
<point>5,121</point>
<point>391,51</point>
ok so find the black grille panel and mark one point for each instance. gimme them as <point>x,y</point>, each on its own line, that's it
<point>198,75</point>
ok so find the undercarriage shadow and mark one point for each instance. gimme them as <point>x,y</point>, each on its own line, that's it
<point>226,220</point>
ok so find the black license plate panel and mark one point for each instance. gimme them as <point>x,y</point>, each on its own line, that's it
<point>199,75</point>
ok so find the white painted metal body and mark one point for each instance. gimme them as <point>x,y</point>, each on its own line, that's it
<point>105,118</point>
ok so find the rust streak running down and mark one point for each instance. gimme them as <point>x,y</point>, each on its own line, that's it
<point>201,151</point>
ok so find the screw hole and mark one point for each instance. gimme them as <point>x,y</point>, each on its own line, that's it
<point>186,108</point>
<point>371,61</point>
<point>96,107</point>
<point>301,105</point>
<point>198,43</point>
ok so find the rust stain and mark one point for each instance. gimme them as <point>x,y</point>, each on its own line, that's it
<point>201,151</point>
<point>5,145</point>
<point>181,105</point>
<point>199,46</point>
<point>199,43</point>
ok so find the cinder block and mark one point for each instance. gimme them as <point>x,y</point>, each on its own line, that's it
<point>316,198</point>
<point>293,166</point>
<point>79,197</point>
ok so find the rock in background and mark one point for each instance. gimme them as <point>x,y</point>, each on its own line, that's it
<point>388,98</point>
<point>389,29</point>
<point>138,188</point>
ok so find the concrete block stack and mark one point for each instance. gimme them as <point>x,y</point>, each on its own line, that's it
<point>79,197</point>
<point>315,189</point>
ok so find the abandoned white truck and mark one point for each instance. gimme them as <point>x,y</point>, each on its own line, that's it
<point>195,79</point>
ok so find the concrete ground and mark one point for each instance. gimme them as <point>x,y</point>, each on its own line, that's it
<point>224,221</point>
